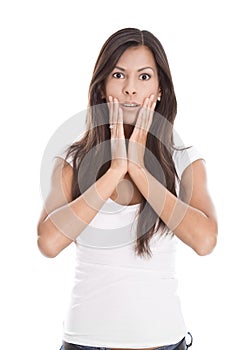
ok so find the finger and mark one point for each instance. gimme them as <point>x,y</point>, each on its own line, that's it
<point>151,100</point>
<point>150,112</point>
<point>115,116</point>
<point>120,124</point>
<point>110,110</point>
<point>112,117</point>
<point>150,104</point>
<point>140,117</point>
<point>151,115</point>
<point>151,108</point>
<point>138,124</point>
<point>115,110</point>
<point>145,113</point>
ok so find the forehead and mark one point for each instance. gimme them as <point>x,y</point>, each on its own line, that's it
<point>139,56</point>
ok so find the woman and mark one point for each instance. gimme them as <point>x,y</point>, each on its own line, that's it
<point>127,169</point>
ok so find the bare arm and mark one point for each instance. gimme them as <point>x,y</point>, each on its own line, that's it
<point>62,219</point>
<point>192,218</point>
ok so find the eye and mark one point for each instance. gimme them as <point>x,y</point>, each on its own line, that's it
<point>144,76</point>
<point>118,75</point>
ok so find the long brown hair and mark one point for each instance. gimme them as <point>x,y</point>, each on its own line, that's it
<point>96,141</point>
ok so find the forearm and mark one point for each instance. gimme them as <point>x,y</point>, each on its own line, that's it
<point>63,225</point>
<point>191,225</point>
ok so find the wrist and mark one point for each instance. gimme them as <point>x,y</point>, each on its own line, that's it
<point>135,168</point>
<point>116,173</point>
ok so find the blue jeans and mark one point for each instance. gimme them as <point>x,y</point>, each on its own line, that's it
<point>83,347</point>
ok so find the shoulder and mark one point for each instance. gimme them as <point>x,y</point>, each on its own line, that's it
<point>62,176</point>
<point>184,156</point>
<point>192,174</point>
<point>69,152</point>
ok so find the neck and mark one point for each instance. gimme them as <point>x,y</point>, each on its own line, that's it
<point>128,129</point>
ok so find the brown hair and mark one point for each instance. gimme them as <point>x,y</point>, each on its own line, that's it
<point>159,140</point>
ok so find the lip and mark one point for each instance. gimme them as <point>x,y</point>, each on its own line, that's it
<point>130,104</point>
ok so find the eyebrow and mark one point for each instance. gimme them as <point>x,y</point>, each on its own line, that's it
<point>139,70</point>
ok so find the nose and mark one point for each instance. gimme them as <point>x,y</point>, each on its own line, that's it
<point>129,92</point>
<point>129,88</point>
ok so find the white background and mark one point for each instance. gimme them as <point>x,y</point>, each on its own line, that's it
<point>48,50</point>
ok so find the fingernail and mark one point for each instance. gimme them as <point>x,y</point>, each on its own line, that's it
<point>110,98</point>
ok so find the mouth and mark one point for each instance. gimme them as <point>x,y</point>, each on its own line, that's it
<point>130,105</point>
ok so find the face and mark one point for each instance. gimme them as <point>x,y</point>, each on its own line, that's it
<point>133,79</point>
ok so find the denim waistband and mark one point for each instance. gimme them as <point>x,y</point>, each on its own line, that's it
<point>68,346</point>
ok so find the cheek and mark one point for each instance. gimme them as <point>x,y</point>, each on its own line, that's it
<point>150,89</point>
<point>155,86</point>
<point>110,85</point>
<point>114,86</point>
<point>110,88</point>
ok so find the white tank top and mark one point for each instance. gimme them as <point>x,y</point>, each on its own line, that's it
<point>120,300</point>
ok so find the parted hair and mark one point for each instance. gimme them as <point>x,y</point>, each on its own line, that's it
<point>96,140</point>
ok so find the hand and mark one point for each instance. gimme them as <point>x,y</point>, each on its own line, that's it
<point>118,146</point>
<point>137,141</point>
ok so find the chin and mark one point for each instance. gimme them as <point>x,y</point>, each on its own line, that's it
<point>130,119</point>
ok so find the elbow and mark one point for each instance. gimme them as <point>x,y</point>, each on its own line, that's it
<point>206,248</point>
<point>46,248</point>
<point>207,243</point>
<point>51,242</point>
<point>45,243</point>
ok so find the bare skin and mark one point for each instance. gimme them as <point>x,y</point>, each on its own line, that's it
<point>191,217</point>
